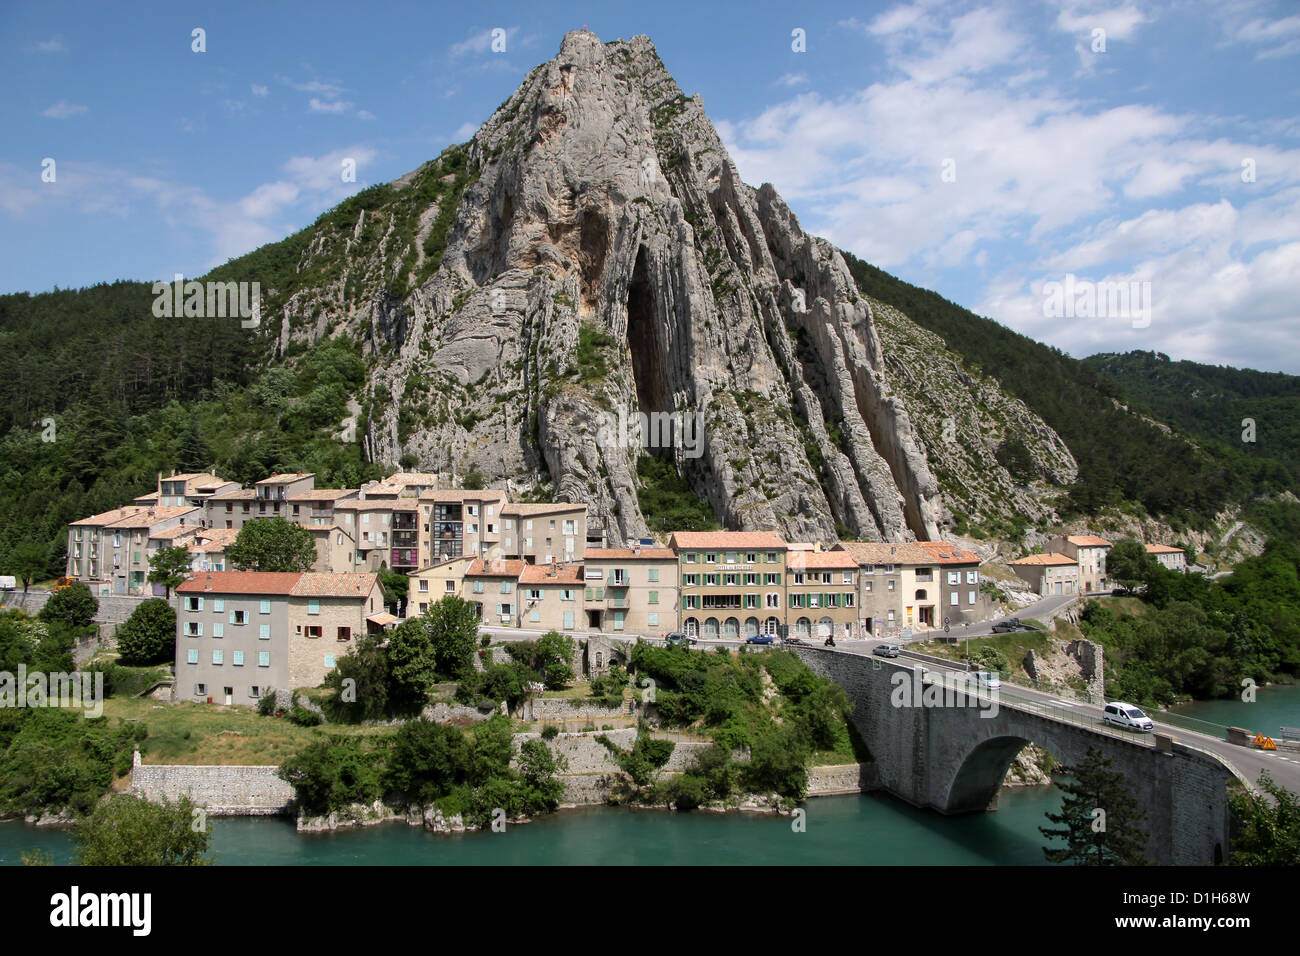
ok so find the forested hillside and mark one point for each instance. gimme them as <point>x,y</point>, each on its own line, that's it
<point>1211,402</point>
<point>1122,457</point>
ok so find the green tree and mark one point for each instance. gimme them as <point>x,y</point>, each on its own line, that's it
<point>412,664</point>
<point>192,452</point>
<point>452,624</point>
<point>74,606</point>
<point>272,544</point>
<point>170,567</point>
<point>427,760</point>
<point>360,683</point>
<point>1100,821</point>
<point>1129,565</point>
<point>330,774</point>
<point>148,636</point>
<point>1269,828</point>
<point>130,831</point>
<point>28,561</point>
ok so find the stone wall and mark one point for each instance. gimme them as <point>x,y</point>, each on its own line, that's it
<point>845,778</point>
<point>556,708</point>
<point>222,791</point>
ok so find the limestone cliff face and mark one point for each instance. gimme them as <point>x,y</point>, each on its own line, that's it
<point>593,251</point>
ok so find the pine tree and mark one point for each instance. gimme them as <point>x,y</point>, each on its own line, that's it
<point>1103,824</point>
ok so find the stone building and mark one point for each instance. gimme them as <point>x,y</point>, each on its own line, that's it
<point>1048,574</point>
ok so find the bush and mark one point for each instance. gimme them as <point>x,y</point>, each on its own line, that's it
<point>74,606</point>
<point>302,716</point>
<point>266,703</point>
<point>148,636</point>
<point>550,732</point>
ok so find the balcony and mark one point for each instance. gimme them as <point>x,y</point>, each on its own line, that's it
<point>403,558</point>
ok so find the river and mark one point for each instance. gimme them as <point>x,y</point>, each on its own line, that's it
<point>1272,709</point>
<point>867,829</point>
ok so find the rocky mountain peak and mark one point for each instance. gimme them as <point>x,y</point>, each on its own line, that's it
<point>588,274</point>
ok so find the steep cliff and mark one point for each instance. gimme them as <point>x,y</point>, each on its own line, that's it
<point>592,253</point>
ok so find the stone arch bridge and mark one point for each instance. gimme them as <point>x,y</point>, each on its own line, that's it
<point>953,758</point>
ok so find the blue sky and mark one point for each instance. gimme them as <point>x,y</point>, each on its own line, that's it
<point>984,150</point>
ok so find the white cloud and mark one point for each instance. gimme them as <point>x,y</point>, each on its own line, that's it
<point>52,45</point>
<point>464,132</point>
<point>317,105</point>
<point>64,110</point>
<point>792,79</point>
<point>482,42</point>
<point>259,90</point>
<point>1046,183</point>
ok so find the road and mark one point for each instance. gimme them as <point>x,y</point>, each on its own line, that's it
<point>1283,767</point>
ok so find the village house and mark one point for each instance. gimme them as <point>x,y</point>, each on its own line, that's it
<point>821,593</point>
<point>493,587</point>
<point>630,589</point>
<point>732,582</point>
<point>540,533</point>
<point>110,552</point>
<point>1048,574</point>
<point>240,634</point>
<point>550,597</point>
<point>1175,559</point>
<point>1090,552</point>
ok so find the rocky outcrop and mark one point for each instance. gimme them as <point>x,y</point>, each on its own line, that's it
<point>592,250</point>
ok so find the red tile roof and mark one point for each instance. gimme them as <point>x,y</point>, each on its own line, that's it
<point>1051,558</point>
<point>541,574</point>
<point>820,559</point>
<point>1163,549</point>
<point>945,552</point>
<point>727,540</point>
<point>1087,540</point>
<point>306,584</point>
<point>495,569</point>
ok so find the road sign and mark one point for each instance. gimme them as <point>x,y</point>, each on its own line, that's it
<point>946,628</point>
<point>946,622</point>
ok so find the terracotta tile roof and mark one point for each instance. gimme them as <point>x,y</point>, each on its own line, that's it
<point>137,516</point>
<point>178,531</point>
<point>150,498</point>
<point>541,574</point>
<point>540,507</point>
<point>312,584</point>
<point>945,552</point>
<point>194,476</point>
<point>1051,558</point>
<point>495,569</point>
<point>884,552</point>
<point>380,504</point>
<point>446,561</point>
<point>239,582</point>
<point>821,559</point>
<point>727,540</point>
<point>213,540</point>
<point>1087,540</point>
<point>286,478</point>
<point>1163,549</point>
<point>627,554</point>
<point>323,494</point>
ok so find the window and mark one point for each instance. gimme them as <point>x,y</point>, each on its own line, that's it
<point>194,604</point>
<point>731,580</point>
<point>535,616</point>
<point>847,578</point>
<point>891,585</point>
<point>219,605</point>
<point>566,594</point>
<point>772,557</point>
<point>424,585</point>
<point>690,557</point>
<point>866,586</point>
<point>193,629</point>
<point>263,658</point>
<point>653,598</point>
<point>534,594</point>
<point>264,632</point>
<point>218,629</point>
<point>772,578</point>
<point>313,630</point>
<point>478,587</point>
<point>970,597</point>
<point>237,617</point>
<point>264,606</point>
<point>751,558</point>
<point>691,601</point>
<point>200,689</point>
<point>218,657</point>
<point>731,557</point>
<point>192,656</point>
<point>972,577</point>
<point>751,579</point>
<point>254,691</point>
<point>953,599</point>
<point>313,606</point>
<point>506,587</point>
<point>652,619</point>
<point>850,599</point>
<point>711,558</point>
<point>891,615</point>
<point>773,599</point>
<point>329,660</point>
<point>618,620</point>
<point>954,577</point>
<point>690,580</point>
<point>237,658</point>
<point>710,580</point>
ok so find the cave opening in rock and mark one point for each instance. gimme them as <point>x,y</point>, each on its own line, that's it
<point>646,346</point>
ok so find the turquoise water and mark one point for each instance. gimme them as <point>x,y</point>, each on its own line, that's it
<point>866,829</point>
<point>1273,709</point>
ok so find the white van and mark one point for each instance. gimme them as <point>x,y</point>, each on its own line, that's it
<point>1127,716</point>
<point>987,679</point>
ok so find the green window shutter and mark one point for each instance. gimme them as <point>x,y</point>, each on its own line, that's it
<point>654,597</point>
<point>589,592</point>
<point>654,575</point>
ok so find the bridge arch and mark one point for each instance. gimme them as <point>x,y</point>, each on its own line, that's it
<point>978,780</point>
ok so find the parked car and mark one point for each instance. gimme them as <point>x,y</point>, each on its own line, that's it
<point>796,640</point>
<point>885,650</point>
<point>1127,716</point>
<point>1010,625</point>
<point>759,639</point>
<point>987,679</point>
<point>677,640</point>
